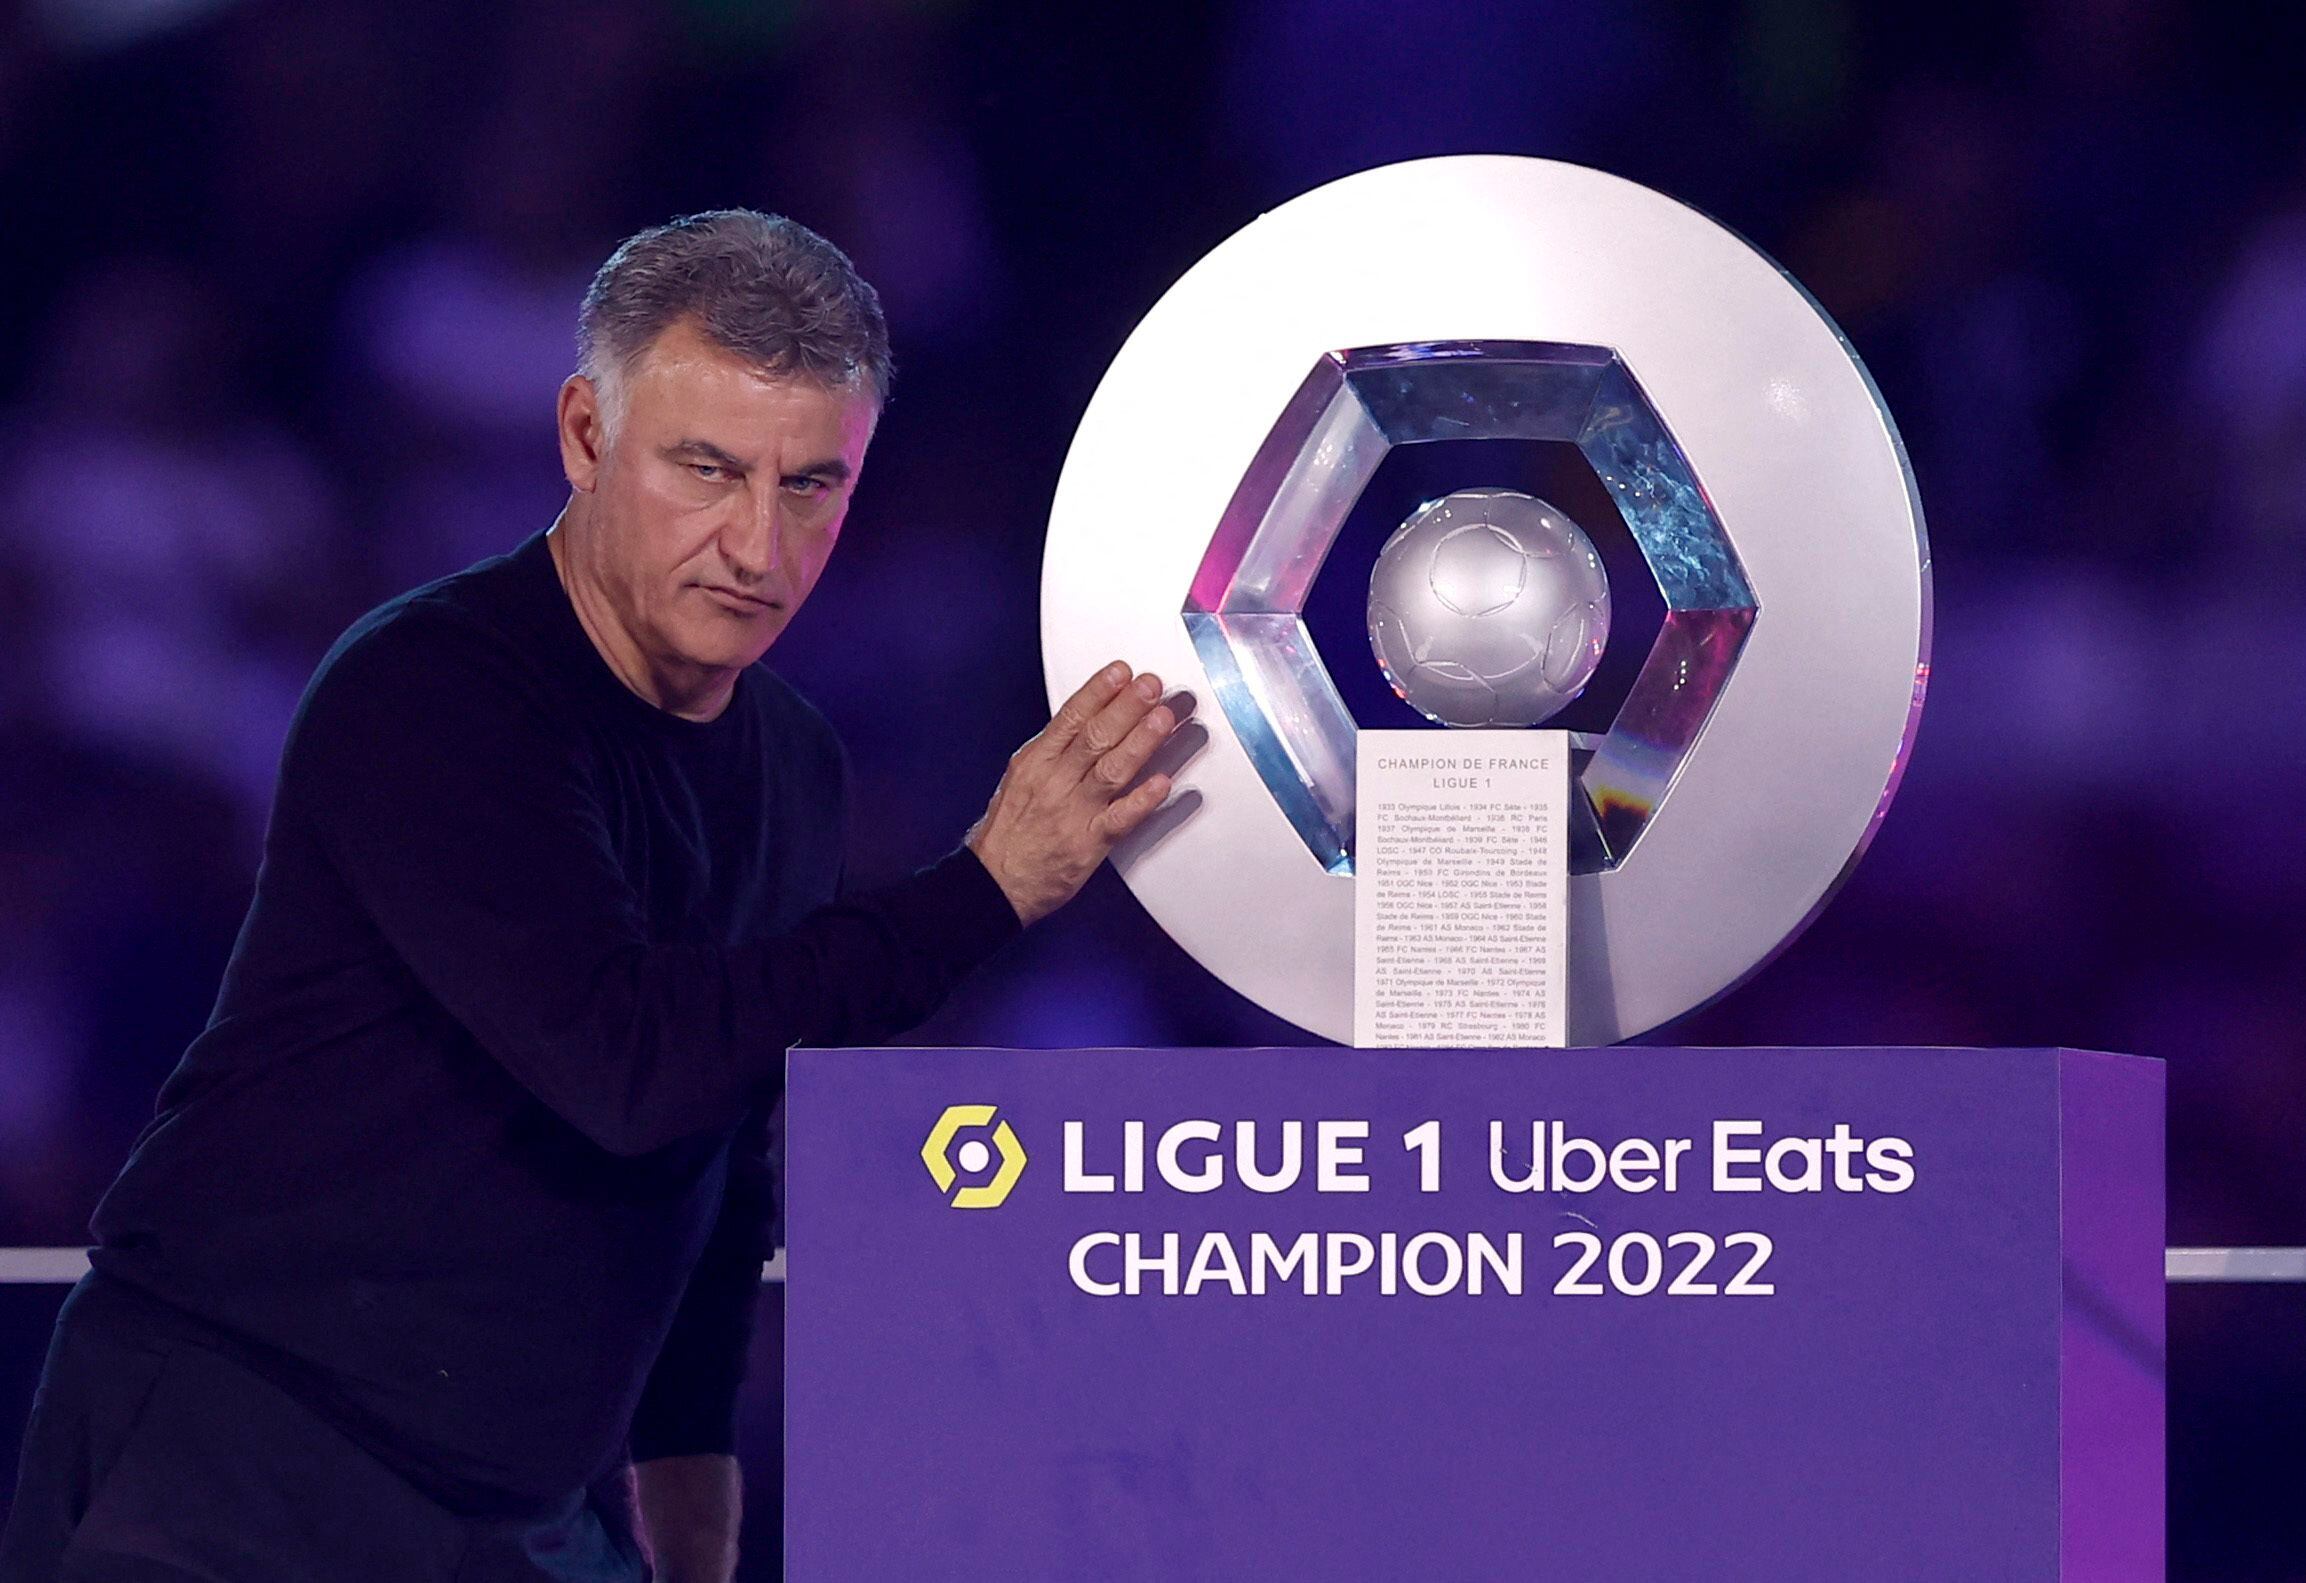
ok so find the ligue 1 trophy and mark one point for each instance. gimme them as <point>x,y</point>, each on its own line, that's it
<point>1748,463</point>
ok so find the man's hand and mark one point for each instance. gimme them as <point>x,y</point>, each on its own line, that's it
<point>690,1509</point>
<point>1066,798</point>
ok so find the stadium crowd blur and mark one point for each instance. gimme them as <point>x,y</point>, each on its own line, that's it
<point>288,289</point>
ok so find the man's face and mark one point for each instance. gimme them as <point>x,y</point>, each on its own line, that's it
<point>718,497</point>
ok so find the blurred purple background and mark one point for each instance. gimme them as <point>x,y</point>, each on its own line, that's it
<point>288,289</point>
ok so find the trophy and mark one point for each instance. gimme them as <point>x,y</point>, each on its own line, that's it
<point>1753,482</point>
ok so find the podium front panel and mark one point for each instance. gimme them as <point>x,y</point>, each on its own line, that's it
<point>1624,1313</point>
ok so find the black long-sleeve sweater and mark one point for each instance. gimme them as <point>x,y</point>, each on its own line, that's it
<point>476,1152</point>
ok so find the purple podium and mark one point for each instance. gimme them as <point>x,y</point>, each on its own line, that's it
<point>1625,1313</point>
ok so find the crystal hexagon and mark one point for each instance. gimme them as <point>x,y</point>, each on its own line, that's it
<point>1245,608</point>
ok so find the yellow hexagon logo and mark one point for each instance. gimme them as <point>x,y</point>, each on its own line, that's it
<point>936,1155</point>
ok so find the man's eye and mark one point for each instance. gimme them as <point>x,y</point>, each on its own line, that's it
<point>710,472</point>
<point>806,484</point>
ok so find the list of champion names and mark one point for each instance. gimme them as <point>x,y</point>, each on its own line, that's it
<point>1461,880</point>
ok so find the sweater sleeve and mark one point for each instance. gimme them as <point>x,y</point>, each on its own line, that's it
<point>458,808</point>
<point>689,1404</point>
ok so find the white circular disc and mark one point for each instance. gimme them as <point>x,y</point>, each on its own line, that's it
<point>1797,458</point>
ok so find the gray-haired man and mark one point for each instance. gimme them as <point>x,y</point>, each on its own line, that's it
<point>461,1199</point>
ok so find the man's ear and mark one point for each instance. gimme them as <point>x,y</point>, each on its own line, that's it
<point>583,433</point>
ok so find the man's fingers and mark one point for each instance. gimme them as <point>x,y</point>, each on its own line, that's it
<point>1125,814</point>
<point>1117,768</point>
<point>1111,725</point>
<point>1075,713</point>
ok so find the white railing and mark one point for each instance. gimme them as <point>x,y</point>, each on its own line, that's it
<point>2235,1264</point>
<point>63,1266</point>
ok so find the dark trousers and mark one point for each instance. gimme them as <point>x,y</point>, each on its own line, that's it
<point>151,1458</point>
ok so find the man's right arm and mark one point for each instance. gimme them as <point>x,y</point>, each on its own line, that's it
<point>462,817</point>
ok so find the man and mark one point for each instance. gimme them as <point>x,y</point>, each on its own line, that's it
<point>461,1197</point>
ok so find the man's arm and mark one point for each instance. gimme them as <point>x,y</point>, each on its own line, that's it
<point>460,814</point>
<point>459,811</point>
<point>683,1436</point>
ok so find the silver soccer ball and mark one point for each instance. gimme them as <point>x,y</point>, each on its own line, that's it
<point>1488,607</point>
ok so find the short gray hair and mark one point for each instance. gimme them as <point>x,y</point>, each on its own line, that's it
<point>767,288</point>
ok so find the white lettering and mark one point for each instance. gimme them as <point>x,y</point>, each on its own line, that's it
<point>1810,1179</point>
<point>1337,1153</point>
<point>1507,1266</point>
<point>1564,1148</point>
<point>1135,1265</point>
<point>1214,1261</point>
<point>1078,1263</point>
<point>1725,1157</point>
<point>1265,1254</point>
<point>1339,1269</point>
<point>1675,1148</point>
<point>1633,1165</point>
<point>1292,1157</point>
<point>1452,1264</point>
<point>1077,1178</point>
<point>1530,1181</point>
<point>1210,1176</point>
<point>1892,1163</point>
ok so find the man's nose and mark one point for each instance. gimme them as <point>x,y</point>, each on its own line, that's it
<point>753,537</point>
